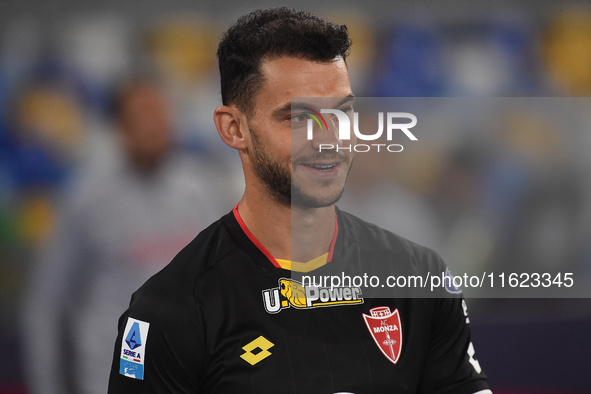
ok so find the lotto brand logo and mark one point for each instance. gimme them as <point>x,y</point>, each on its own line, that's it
<point>292,294</point>
<point>344,129</point>
<point>257,350</point>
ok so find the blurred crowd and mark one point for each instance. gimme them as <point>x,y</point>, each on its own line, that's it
<point>110,162</point>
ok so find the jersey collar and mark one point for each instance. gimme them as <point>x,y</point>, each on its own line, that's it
<point>292,265</point>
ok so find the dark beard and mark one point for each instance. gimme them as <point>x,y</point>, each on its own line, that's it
<point>278,182</point>
<point>276,179</point>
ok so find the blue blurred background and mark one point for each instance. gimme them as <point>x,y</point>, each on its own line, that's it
<point>66,67</point>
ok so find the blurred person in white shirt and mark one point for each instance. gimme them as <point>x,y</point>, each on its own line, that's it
<point>121,223</point>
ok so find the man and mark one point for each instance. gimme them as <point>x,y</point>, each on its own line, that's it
<point>124,220</point>
<point>226,316</point>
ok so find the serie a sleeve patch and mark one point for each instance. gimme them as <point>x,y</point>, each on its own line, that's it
<point>133,348</point>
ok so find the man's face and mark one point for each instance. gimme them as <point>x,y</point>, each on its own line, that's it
<point>146,126</point>
<point>283,159</point>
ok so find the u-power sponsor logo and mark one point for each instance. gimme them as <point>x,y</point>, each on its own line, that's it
<point>393,126</point>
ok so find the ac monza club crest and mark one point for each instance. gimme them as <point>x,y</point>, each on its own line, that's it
<point>386,330</point>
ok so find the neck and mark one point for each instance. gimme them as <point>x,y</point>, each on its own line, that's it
<point>291,233</point>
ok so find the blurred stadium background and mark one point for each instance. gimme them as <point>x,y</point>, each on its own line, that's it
<point>61,61</point>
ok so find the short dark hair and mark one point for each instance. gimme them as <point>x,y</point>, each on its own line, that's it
<point>271,33</point>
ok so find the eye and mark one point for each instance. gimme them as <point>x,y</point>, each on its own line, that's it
<point>299,120</point>
<point>348,109</point>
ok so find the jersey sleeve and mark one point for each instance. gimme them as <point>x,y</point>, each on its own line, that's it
<point>159,344</point>
<point>451,365</point>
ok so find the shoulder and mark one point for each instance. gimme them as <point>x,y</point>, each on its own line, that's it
<point>167,307</point>
<point>208,248</point>
<point>175,283</point>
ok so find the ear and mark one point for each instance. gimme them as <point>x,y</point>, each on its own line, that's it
<point>228,120</point>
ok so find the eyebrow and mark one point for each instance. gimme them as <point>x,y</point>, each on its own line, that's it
<point>288,107</point>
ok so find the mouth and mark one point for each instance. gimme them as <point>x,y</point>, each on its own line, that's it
<point>322,167</point>
<point>323,170</point>
<point>325,166</point>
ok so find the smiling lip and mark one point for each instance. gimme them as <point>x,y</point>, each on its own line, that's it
<point>323,168</point>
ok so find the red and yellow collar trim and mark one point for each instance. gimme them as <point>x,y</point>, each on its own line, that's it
<point>288,264</point>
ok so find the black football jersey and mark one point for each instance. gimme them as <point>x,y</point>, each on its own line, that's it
<point>223,318</point>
